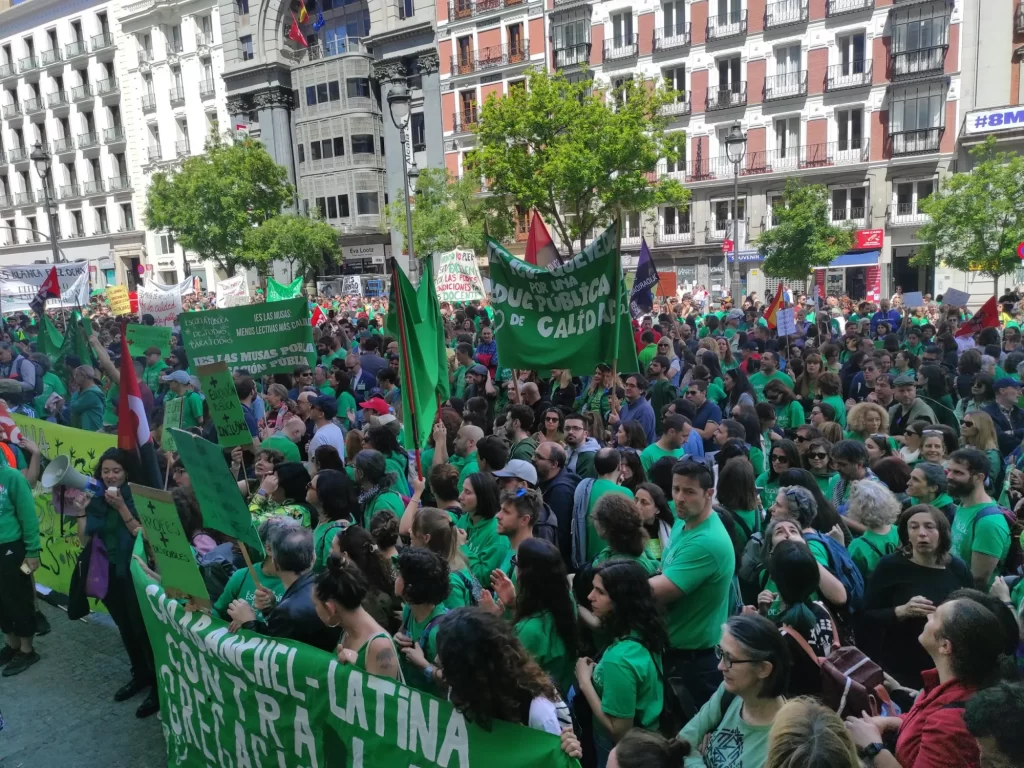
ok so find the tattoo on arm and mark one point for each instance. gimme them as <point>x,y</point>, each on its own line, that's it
<point>385,659</point>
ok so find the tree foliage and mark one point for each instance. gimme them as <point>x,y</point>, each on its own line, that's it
<point>450,213</point>
<point>556,147</point>
<point>977,218</point>
<point>214,199</point>
<point>302,242</point>
<point>803,238</point>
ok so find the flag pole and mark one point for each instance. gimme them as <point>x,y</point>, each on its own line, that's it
<point>617,291</point>
<point>403,348</point>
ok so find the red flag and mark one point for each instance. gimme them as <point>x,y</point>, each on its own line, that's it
<point>296,34</point>
<point>773,308</point>
<point>303,15</point>
<point>49,289</point>
<point>986,317</point>
<point>540,248</point>
<point>318,318</point>
<point>132,424</point>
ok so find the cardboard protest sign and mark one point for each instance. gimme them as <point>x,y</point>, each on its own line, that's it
<point>142,337</point>
<point>565,316</point>
<point>262,338</point>
<point>173,413</point>
<point>954,298</point>
<point>258,700</point>
<point>913,299</point>
<point>225,409</point>
<point>458,277</point>
<point>163,302</point>
<point>117,297</point>
<point>221,503</point>
<point>787,324</point>
<point>166,537</point>
<point>20,284</point>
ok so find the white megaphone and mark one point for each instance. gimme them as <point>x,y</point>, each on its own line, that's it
<point>60,472</point>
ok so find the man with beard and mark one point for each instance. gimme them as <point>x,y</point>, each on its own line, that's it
<point>582,448</point>
<point>981,534</point>
<point>909,407</point>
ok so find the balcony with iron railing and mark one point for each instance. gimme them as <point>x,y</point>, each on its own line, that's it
<point>734,95</point>
<point>722,25</point>
<point>490,58</point>
<point>75,49</point>
<point>69,192</point>
<point>1018,19</point>
<point>783,161</point>
<point>145,56</point>
<point>203,43</point>
<point>24,198</point>
<point>678,232</point>
<point>28,64</point>
<point>906,215</point>
<point>33,105</point>
<point>17,154</point>
<point>631,236</point>
<point>148,102</point>
<point>58,99</point>
<point>182,148</point>
<point>81,92</point>
<point>622,47</point>
<point>572,55</point>
<point>785,86</point>
<point>837,7</point>
<point>107,87</point>
<point>177,96</point>
<point>119,183</point>
<point>12,111</point>
<point>922,61</point>
<point>784,12</point>
<point>155,154</point>
<point>114,135</point>
<point>51,57</point>
<point>853,74</point>
<point>915,142</point>
<point>466,9</point>
<point>102,42</point>
<point>93,188</point>
<point>63,145</point>
<point>175,47</point>
<point>464,120</point>
<point>337,47</point>
<point>680,105</point>
<point>207,90</point>
<point>717,230</point>
<point>668,39</point>
<point>88,140</point>
<point>854,214</point>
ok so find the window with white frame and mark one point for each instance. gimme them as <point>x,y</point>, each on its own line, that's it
<point>787,142</point>
<point>726,11</point>
<point>617,96</point>
<point>675,80</point>
<point>674,222</point>
<point>920,29</point>
<point>722,212</point>
<point>775,203</point>
<point>907,196</point>
<point>674,18</point>
<point>849,134</point>
<point>631,227</point>
<point>848,203</point>
<point>571,33</point>
<point>851,48</point>
<point>679,164</point>
<point>622,28</point>
<point>788,66</point>
<point>729,73</point>
<point>916,117</point>
<point>165,244</point>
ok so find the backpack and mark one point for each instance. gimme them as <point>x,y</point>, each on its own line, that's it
<point>841,565</point>
<point>851,683</point>
<point>38,389</point>
<point>472,586</point>
<point>547,526</point>
<point>1015,557</point>
<point>216,567</point>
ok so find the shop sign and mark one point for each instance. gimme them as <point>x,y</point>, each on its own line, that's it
<point>372,252</point>
<point>868,238</point>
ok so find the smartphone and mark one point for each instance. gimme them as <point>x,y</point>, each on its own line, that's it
<point>25,569</point>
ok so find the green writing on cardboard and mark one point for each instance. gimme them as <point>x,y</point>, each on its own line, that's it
<point>167,539</point>
<point>225,409</point>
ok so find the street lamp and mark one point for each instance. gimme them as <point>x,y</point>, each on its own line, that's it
<point>42,161</point>
<point>399,101</point>
<point>735,150</point>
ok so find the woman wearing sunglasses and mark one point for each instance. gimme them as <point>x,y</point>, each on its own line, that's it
<point>818,461</point>
<point>783,455</point>
<point>978,431</point>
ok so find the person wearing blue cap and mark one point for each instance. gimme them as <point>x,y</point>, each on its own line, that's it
<point>1007,417</point>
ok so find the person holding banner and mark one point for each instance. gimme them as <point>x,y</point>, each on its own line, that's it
<point>19,541</point>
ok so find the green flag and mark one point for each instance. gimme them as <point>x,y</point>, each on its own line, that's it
<point>142,337</point>
<point>421,342</point>
<point>50,341</point>
<point>565,316</point>
<point>278,292</point>
<point>82,331</point>
<point>166,537</point>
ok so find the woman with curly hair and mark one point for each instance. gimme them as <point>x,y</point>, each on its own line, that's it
<point>338,597</point>
<point>357,545</point>
<point>619,524</point>
<point>490,676</point>
<point>873,506</point>
<point>624,687</point>
<point>423,585</point>
<point>866,419</point>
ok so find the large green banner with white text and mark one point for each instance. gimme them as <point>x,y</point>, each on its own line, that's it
<point>238,699</point>
<point>565,316</point>
<point>262,338</point>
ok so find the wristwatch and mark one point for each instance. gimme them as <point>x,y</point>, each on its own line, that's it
<point>870,752</point>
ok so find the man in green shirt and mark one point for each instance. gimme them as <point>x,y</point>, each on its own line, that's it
<point>155,366</point>
<point>769,372</point>
<point>87,402</point>
<point>650,349</point>
<point>695,584</point>
<point>669,444</point>
<point>517,428</point>
<point>179,383</point>
<point>981,534</point>
<point>588,493</point>
<point>19,541</point>
<point>519,510</point>
<point>464,357</point>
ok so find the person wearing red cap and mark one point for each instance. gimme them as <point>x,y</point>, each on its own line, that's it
<point>377,404</point>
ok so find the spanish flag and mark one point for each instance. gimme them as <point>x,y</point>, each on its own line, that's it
<point>773,308</point>
<point>303,15</point>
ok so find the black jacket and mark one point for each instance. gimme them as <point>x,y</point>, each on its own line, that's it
<point>558,494</point>
<point>294,618</point>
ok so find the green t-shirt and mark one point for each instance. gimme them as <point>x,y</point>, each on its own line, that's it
<point>387,499</point>
<point>653,452</point>
<point>628,682</point>
<point>323,538</point>
<point>649,563</point>
<point>87,409</point>
<point>700,561</point>
<point>427,640</point>
<point>151,375</point>
<point>840,408</point>
<point>789,416</point>
<point>51,384</point>
<point>461,592</point>
<point>751,518</point>
<point>989,536</point>
<point>594,542</point>
<point>459,385</point>
<point>110,405</point>
<point>538,635</point>
<point>731,739</point>
<point>485,548</point>
<point>826,483</point>
<point>647,354</point>
<point>466,466</point>
<point>346,403</point>
<point>241,587</point>
<point>758,381</point>
<point>870,547</point>
<point>191,409</point>
<point>769,489</point>
<point>283,445</point>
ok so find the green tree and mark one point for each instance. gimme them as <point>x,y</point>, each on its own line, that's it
<point>302,242</point>
<point>803,238</point>
<point>556,147</point>
<point>216,198</point>
<point>977,218</point>
<point>450,213</point>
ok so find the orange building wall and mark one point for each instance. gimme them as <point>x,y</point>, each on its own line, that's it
<point>698,90</point>
<point>817,132</point>
<point>952,58</point>
<point>879,122</point>
<point>755,81</point>
<point>699,19</point>
<point>817,69</point>
<point>755,158</point>
<point>755,15</point>
<point>880,59</point>
<point>597,44</point>
<point>645,33</point>
<point>448,111</point>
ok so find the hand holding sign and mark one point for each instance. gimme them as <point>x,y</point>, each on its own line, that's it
<point>225,409</point>
<point>166,537</point>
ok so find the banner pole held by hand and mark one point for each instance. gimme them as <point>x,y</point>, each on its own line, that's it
<point>249,565</point>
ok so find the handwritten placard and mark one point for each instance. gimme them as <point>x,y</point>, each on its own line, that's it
<point>117,297</point>
<point>225,409</point>
<point>166,537</point>
<point>172,420</point>
<point>142,337</point>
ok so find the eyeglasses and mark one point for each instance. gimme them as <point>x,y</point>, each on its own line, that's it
<point>729,661</point>
<point>776,457</point>
<point>968,423</point>
<point>551,419</point>
<point>818,456</point>
<point>802,438</point>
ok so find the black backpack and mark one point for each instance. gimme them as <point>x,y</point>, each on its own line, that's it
<point>547,526</point>
<point>38,389</point>
<point>216,567</point>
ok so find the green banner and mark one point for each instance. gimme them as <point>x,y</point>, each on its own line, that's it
<point>58,533</point>
<point>225,409</point>
<point>142,337</point>
<point>166,537</point>
<point>565,316</point>
<point>278,292</point>
<point>258,337</point>
<point>220,502</point>
<point>173,414</point>
<point>242,699</point>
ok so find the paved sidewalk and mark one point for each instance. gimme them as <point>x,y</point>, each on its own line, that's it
<point>62,713</point>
